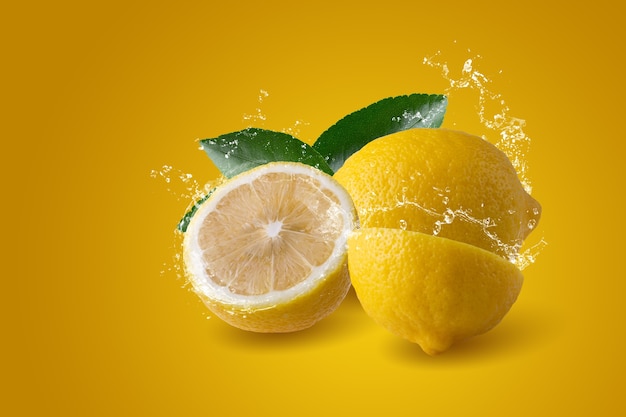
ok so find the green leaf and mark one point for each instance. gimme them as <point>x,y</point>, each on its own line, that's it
<point>382,118</point>
<point>237,152</point>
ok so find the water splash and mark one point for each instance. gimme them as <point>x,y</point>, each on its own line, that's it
<point>529,256</point>
<point>174,179</point>
<point>448,216</point>
<point>182,186</point>
<point>258,118</point>
<point>492,110</point>
<point>494,114</point>
<point>176,265</point>
<point>295,129</point>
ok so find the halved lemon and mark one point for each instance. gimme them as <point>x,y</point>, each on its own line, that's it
<point>430,290</point>
<point>267,251</point>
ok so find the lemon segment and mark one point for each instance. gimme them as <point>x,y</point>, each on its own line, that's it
<point>441,182</point>
<point>430,290</point>
<point>267,251</point>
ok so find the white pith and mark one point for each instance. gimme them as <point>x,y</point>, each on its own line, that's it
<point>208,289</point>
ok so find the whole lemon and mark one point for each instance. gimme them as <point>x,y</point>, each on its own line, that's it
<point>442,182</point>
<point>430,290</point>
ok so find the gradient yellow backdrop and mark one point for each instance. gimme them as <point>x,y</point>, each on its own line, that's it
<point>96,95</point>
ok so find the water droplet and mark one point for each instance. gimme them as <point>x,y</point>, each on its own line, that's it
<point>448,216</point>
<point>467,67</point>
<point>403,224</point>
<point>532,223</point>
<point>488,222</point>
<point>437,228</point>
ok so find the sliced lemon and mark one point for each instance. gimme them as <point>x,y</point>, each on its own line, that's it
<point>267,251</point>
<point>430,290</point>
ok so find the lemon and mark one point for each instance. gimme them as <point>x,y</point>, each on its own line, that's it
<point>442,182</point>
<point>267,251</point>
<point>443,216</point>
<point>430,290</point>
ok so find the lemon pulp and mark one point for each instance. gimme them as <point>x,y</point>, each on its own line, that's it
<point>266,241</point>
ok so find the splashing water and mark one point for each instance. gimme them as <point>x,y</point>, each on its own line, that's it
<point>295,129</point>
<point>258,117</point>
<point>510,250</point>
<point>182,186</point>
<point>513,141</point>
<point>173,177</point>
<point>495,115</point>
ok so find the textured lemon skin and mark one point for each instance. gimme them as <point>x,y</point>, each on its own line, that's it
<point>411,178</point>
<point>430,290</point>
<point>300,313</point>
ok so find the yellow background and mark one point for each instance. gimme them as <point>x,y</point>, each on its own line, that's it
<point>96,95</point>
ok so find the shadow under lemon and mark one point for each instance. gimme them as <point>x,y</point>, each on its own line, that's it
<point>520,332</point>
<point>348,321</point>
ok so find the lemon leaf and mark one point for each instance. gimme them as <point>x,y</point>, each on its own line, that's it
<point>382,118</point>
<point>237,152</point>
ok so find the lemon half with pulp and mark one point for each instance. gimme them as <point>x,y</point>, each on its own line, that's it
<point>267,251</point>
